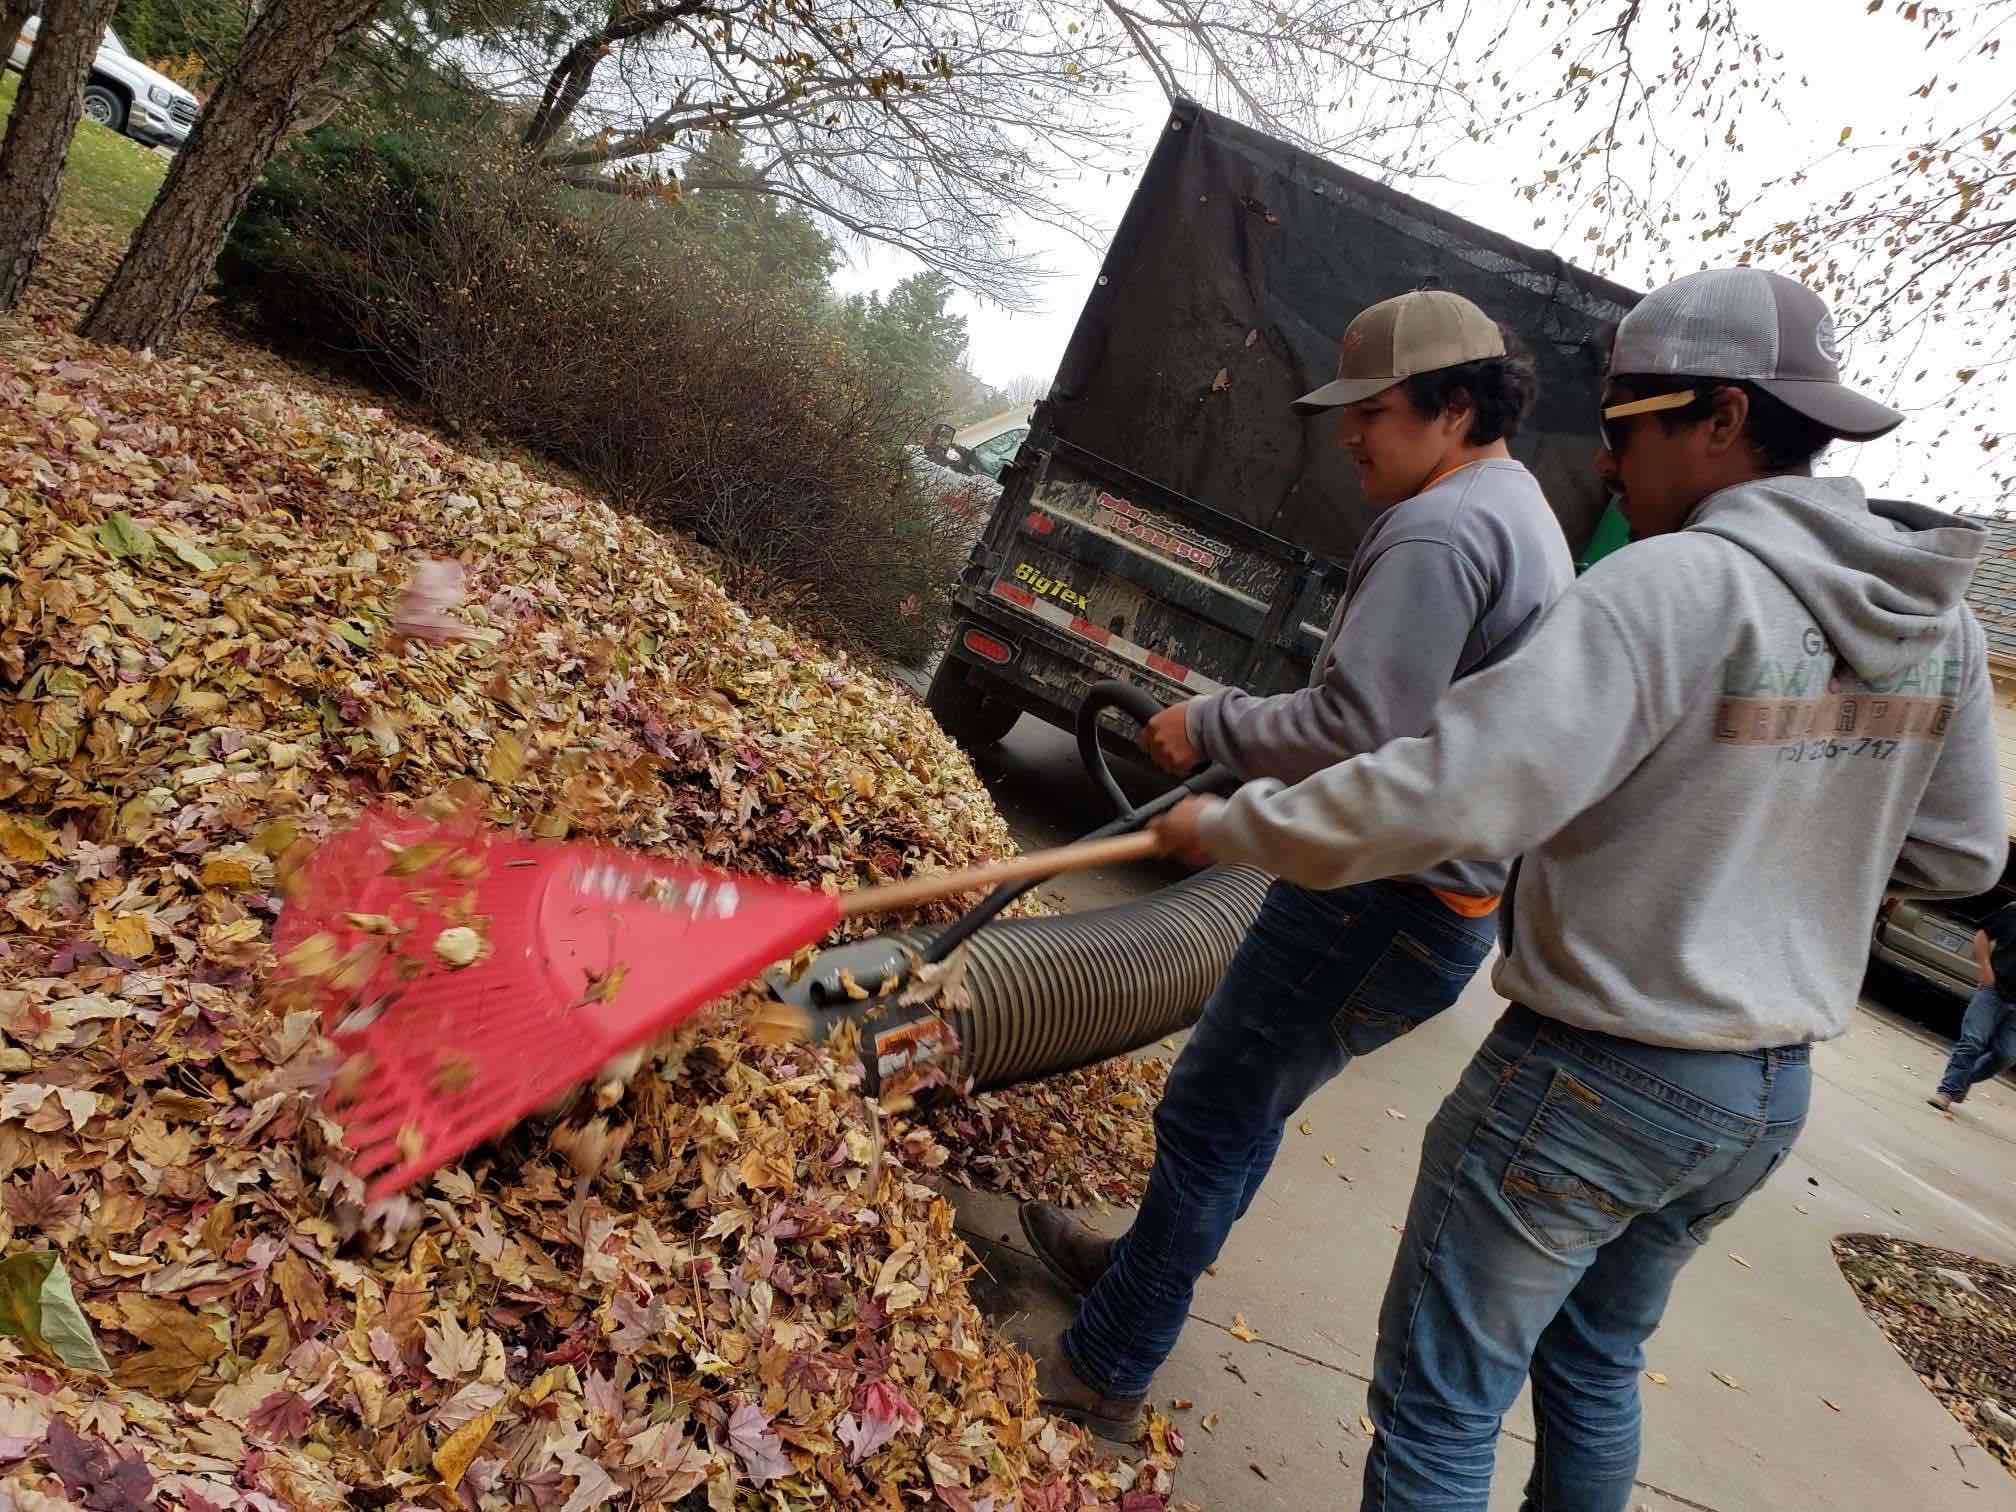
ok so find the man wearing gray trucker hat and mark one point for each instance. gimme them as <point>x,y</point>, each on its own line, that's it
<point>1461,562</point>
<point>1715,756</point>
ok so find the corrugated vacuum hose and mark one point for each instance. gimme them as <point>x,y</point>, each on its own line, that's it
<point>1043,995</point>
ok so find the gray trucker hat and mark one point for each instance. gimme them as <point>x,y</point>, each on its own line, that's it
<point>1399,337</point>
<point>1763,328</point>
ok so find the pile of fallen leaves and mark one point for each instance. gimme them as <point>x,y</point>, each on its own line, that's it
<point>217,644</point>
<point>1953,1319</point>
<point>1081,1140</point>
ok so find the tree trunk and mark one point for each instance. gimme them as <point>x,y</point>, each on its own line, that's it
<point>45,117</point>
<point>177,245</point>
<point>567,85</point>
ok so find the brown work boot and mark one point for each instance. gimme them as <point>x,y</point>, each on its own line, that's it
<point>1938,1100</point>
<point>1069,1251</point>
<point>1062,1393</point>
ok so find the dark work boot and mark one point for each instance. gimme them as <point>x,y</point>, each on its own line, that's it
<point>1069,1251</point>
<point>1061,1392</point>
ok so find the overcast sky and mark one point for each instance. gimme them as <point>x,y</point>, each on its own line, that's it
<point>1843,68</point>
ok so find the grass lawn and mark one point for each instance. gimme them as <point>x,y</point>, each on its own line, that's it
<point>108,177</point>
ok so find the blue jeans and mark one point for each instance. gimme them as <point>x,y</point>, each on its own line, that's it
<point>1321,977</point>
<point>1563,1184</point>
<point>1986,1047</point>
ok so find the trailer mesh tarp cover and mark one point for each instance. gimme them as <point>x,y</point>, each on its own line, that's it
<point>1243,257</point>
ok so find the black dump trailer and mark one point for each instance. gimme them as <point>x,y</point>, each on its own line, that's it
<point>1169,519</point>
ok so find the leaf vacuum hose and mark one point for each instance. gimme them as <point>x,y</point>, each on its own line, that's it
<point>1036,997</point>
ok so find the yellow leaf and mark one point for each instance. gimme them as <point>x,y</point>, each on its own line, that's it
<point>1241,1331</point>
<point>1846,132</point>
<point>1655,1378</point>
<point>413,859</point>
<point>1729,1381</point>
<point>1330,1160</point>
<point>204,703</point>
<point>273,838</point>
<point>505,760</point>
<point>24,840</point>
<point>1210,1422</point>
<point>314,957</point>
<point>1304,1127</point>
<point>1366,1424</point>
<point>1739,1259</point>
<point>458,1450</point>
<point>224,873</point>
<point>125,935</point>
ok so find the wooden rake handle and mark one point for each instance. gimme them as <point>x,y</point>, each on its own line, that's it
<point>894,897</point>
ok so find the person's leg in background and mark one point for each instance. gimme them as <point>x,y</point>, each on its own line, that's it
<point>1549,1149</point>
<point>1319,978</point>
<point>2001,1052</point>
<point>1979,1027</point>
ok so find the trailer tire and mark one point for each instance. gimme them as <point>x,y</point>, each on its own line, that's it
<point>965,710</point>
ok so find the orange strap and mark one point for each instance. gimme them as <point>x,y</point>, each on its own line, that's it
<point>1469,905</point>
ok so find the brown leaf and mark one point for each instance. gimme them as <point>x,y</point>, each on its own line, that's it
<point>1739,1260</point>
<point>42,1202</point>
<point>1209,1422</point>
<point>1655,1377</point>
<point>1240,1331</point>
<point>1830,1404</point>
<point>301,1289</point>
<point>181,1344</point>
<point>1729,1381</point>
<point>1254,1466</point>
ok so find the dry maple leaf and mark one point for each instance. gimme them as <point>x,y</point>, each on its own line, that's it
<point>284,1416</point>
<point>42,1201</point>
<point>1241,1331</point>
<point>96,1475</point>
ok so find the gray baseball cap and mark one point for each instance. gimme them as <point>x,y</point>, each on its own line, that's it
<point>1399,337</point>
<point>1763,328</point>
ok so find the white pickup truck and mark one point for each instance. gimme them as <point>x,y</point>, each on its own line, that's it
<point>124,94</point>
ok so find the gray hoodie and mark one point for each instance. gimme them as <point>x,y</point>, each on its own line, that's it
<point>1717,753</point>
<point>1443,585</point>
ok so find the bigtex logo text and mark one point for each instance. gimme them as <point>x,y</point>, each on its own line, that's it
<point>1049,587</point>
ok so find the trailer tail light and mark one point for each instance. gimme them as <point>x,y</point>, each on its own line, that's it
<point>1038,523</point>
<point>987,648</point>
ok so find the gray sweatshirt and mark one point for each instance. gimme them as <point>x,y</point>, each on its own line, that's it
<point>1444,584</point>
<point>1718,752</point>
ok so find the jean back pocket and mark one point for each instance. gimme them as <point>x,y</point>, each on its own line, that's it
<point>1588,1164</point>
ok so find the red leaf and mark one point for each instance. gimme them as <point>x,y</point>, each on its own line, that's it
<point>284,1416</point>
<point>96,1477</point>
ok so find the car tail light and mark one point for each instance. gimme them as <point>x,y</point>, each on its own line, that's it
<point>987,648</point>
<point>1038,523</point>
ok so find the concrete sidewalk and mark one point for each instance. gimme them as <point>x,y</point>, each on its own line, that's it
<point>1307,1267</point>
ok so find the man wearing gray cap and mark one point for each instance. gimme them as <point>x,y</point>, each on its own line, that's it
<point>1725,744</point>
<point>1461,562</point>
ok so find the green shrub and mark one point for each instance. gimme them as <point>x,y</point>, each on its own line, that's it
<point>596,330</point>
